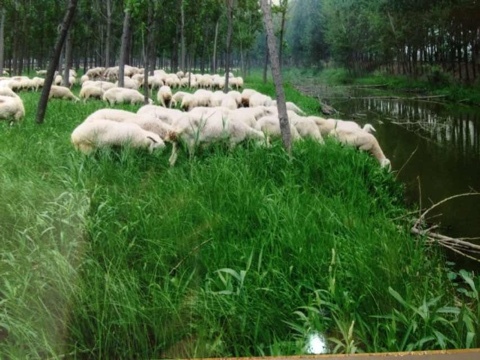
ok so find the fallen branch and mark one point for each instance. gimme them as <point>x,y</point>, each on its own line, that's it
<point>457,245</point>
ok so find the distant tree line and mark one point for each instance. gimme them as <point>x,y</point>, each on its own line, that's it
<point>411,37</point>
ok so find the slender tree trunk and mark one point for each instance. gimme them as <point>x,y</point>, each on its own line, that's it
<point>183,47</point>
<point>108,39</point>
<point>123,48</point>
<point>215,41</point>
<point>67,21</point>
<point>228,43</point>
<point>68,59</point>
<point>277,76</point>
<point>265,65</point>
<point>282,30</point>
<point>2,39</point>
<point>149,50</point>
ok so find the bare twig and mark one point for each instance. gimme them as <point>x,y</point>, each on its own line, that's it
<point>406,162</point>
<point>422,217</point>
<point>457,245</point>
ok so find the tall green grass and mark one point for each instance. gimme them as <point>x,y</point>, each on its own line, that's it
<point>235,253</point>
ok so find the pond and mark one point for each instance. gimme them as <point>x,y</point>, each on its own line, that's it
<point>435,152</point>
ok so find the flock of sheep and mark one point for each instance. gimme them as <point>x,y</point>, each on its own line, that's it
<point>196,118</point>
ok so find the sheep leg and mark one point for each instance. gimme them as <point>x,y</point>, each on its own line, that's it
<point>174,155</point>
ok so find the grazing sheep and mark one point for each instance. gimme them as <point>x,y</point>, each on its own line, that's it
<point>92,135</point>
<point>164,96</point>
<point>229,103</point>
<point>246,94</point>
<point>95,73</point>
<point>258,99</point>
<point>146,121</point>
<point>160,113</point>
<point>270,125</point>
<point>306,127</point>
<point>189,101</point>
<point>208,128</point>
<point>111,114</point>
<point>178,97</point>
<point>363,141</point>
<point>6,91</point>
<point>11,107</point>
<point>129,83</point>
<point>203,97</point>
<point>122,95</point>
<point>87,92</point>
<point>290,106</point>
<point>104,85</point>
<point>327,125</point>
<point>62,92</point>
<point>250,115</point>
<point>36,83</point>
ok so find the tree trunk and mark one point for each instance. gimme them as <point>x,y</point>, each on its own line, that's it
<point>2,39</point>
<point>265,65</point>
<point>228,43</point>
<point>148,50</point>
<point>183,48</point>
<point>108,39</point>
<point>67,21</point>
<point>277,76</point>
<point>68,59</point>
<point>214,57</point>
<point>123,48</point>
<point>282,29</point>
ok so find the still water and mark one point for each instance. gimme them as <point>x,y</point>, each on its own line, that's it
<point>435,152</point>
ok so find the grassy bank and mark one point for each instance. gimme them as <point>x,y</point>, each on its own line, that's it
<point>230,254</point>
<point>434,84</point>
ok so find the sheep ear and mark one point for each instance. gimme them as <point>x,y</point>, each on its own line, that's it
<point>149,137</point>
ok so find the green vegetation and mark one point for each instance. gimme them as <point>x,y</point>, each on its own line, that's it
<point>441,84</point>
<point>236,253</point>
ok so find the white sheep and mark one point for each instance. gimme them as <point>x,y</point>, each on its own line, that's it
<point>164,96</point>
<point>62,92</point>
<point>146,121</point>
<point>229,102</point>
<point>87,92</point>
<point>89,136</point>
<point>270,126</point>
<point>198,130</point>
<point>189,101</point>
<point>362,140</point>
<point>160,113</point>
<point>104,85</point>
<point>6,91</point>
<point>122,95</point>
<point>129,83</point>
<point>290,106</point>
<point>327,125</point>
<point>11,107</point>
<point>306,127</point>
<point>246,94</point>
<point>178,97</point>
<point>258,99</point>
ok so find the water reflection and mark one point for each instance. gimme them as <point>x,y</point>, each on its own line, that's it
<point>437,149</point>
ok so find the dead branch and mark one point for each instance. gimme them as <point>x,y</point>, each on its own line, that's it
<point>458,245</point>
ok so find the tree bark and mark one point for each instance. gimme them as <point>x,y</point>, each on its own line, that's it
<point>123,48</point>
<point>68,60</point>
<point>214,57</point>
<point>109,33</point>
<point>183,47</point>
<point>228,43</point>
<point>67,21</point>
<point>277,76</point>
<point>2,39</point>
